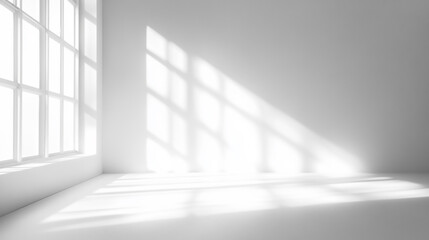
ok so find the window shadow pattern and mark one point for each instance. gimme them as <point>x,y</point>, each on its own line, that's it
<point>137,198</point>
<point>132,204</point>
<point>201,120</point>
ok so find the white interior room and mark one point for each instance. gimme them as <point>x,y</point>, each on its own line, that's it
<point>190,119</point>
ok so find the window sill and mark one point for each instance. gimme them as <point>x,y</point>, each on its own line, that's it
<point>40,162</point>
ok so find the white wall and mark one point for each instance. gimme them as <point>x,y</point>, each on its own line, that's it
<point>26,183</point>
<point>352,72</point>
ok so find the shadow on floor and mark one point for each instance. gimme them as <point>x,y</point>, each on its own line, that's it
<point>196,206</point>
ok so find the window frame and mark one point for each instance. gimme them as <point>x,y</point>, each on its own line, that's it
<point>43,92</point>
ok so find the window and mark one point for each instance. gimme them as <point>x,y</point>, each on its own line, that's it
<point>38,79</point>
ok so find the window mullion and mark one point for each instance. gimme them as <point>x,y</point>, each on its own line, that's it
<point>16,61</point>
<point>76,104</point>
<point>61,94</point>
<point>18,90</point>
<point>18,104</point>
<point>62,77</point>
<point>76,25</point>
<point>62,19</point>
<point>43,82</point>
<point>61,125</point>
<point>80,94</point>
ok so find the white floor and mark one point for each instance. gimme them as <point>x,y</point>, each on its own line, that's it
<point>227,207</point>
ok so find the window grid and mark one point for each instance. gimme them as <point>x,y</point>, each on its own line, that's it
<point>43,92</point>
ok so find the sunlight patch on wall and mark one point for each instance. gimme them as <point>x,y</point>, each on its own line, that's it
<point>208,152</point>
<point>157,76</point>
<point>177,57</point>
<point>241,99</point>
<point>331,161</point>
<point>208,110</point>
<point>243,143</point>
<point>179,134</point>
<point>179,91</point>
<point>160,160</point>
<point>156,44</point>
<point>283,157</point>
<point>206,74</point>
<point>158,116</point>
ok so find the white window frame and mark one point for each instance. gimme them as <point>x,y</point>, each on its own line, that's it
<point>43,92</point>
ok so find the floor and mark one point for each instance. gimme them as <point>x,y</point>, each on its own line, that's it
<point>265,206</point>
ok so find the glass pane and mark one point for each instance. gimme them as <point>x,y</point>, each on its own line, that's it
<point>68,72</point>
<point>68,127</point>
<point>90,40</point>
<point>90,86</point>
<point>32,8</point>
<point>30,55</point>
<point>55,16</point>
<point>30,124</point>
<point>69,22</point>
<point>54,74</point>
<point>90,7</point>
<point>6,123</point>
<point>54,123</point>
<point>6,43</point>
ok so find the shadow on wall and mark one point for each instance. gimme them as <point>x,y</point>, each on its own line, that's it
<point>201,120</point>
